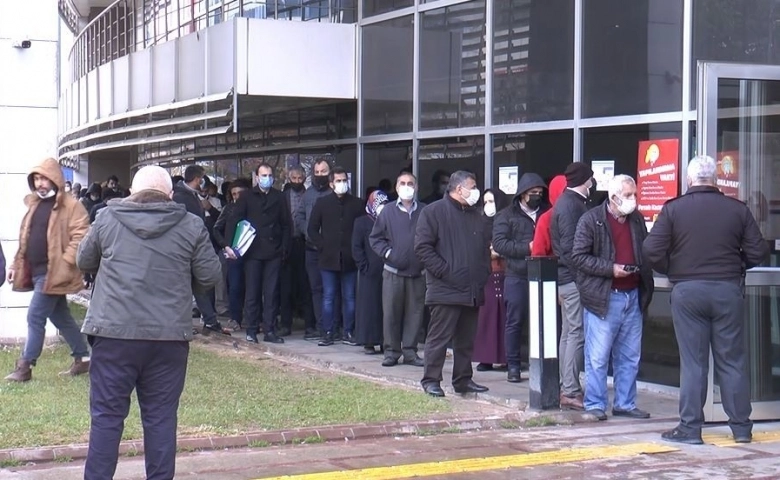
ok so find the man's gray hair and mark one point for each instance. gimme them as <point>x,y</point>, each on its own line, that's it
<point>703,170</point>
<point>406,174</point>
<point>152,177</point>
<point>459,178</point>
<point>616,183</point>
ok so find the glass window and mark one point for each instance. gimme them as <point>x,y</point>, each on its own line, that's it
<point>387,63</point>
<point>632,57</point>
<point>735,31</point>
<point>533,61</point>
<point>452,66</point>
<point>382,163</point>
<point>438,158</point>
<point>375,7</point>
<point>544,153</point>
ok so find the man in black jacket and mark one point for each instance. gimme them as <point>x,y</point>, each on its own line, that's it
<point>453,246</point>
<point>513,234</point>
<point>615,292</point>
<point>703,241</point>
<point>571,205</point>
<point>330,230</point>
<point>265,209</point>
<point>188,193</point>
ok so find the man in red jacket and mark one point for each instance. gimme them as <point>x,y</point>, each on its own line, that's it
<point>542,246</point>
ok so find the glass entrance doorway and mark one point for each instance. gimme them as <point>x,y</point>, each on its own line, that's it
<point>739,125</point>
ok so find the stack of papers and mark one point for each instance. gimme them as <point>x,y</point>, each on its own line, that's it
<point>243,238</point>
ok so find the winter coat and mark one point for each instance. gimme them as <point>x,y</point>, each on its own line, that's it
<point>394,232</point>
<point>330,231</point>
<point>68,223</point>
<point>267,212</point>
<point>149,254</point>
<point>542,243</point>
<point>563,223</point>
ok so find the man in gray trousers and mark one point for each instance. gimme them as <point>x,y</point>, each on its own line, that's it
<point>703,241</point>
<point>403,284</point>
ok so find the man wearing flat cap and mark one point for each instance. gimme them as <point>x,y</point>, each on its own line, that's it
<point>567,212</point>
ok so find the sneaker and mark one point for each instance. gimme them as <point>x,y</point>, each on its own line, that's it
<point>678,436</point>
<point>349,339</point>
<point>312,335</point>
<point>272,338</point>
<point>326,340</point>
<point>598,413</point>
<point>251,338</point>
<point>234,325</point>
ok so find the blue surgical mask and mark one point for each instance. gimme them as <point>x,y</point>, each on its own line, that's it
<point>265,182</point>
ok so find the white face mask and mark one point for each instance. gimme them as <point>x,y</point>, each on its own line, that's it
<point>50,194</point>
<point>340,188</point>
<point>627,206</point>
<point>405,192</point>
<point>473,197</point>
<point>490,209</point>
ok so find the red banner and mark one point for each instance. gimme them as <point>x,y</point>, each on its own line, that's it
<point>657,181</point>
<point>728,173</point>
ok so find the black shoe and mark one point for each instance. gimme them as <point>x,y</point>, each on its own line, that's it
<point>215,327</point>
<point>312,335</point>
<point>272,338</point>
<point>369,350</point>
<point>633,413</point>
<point>744,438</point>
<point>251,338</point>
<point>415,362</point>
<point>389,362</point>
<point>433,389</point>
<point>283,332</point>
<point>484,367</point>
<point>471,387</point>
<point>337,337</point>
<point>195,313</point>
<point>513,375</point>
<point>680,437</point>
<point>349,339</point>
<point>598,413</point>
<point>326,340</point>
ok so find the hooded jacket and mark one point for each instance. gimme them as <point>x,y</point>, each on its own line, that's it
<point>542,244</point>
<point>68,223</point>
<point>146,247</point>
<point>513,229</point>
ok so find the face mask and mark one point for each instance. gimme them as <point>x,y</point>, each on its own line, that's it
<point>265,182</point>
<point>473,197</point>
<point>490,209</point>
<point>340,188</point>
<point>626,206</point>
<point>67,188</point>
<point>405,192</point>
<point>297,187</point>
<point>534,200</point>
<point>321,181</point>
<point>49,194</point>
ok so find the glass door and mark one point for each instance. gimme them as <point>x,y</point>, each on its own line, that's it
<point>738,124</point>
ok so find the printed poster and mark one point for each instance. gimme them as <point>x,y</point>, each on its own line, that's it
<point>603,172</point>
<point>507,179</point>
<point>728,173</point>
<point>657,181</point>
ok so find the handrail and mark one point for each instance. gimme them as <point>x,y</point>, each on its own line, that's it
<point>127,26</point>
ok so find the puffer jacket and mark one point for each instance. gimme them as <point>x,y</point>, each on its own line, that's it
<point>454,247</point>
<point>542,243</point>
<point>513,229</point>
<point>593,254</point>
<point>146,247</point>
<point>563,223</point>
<point>68,224</point>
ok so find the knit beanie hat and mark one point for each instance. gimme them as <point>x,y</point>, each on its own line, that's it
<point>577,173</point>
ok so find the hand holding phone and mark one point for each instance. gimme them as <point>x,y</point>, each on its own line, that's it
<point>631,268</point>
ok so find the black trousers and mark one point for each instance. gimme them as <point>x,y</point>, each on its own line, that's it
<point>294,288</point>
<point>262,294</point>
<point>711,313</point>
<point>450,323</point>
<point>156,370</point>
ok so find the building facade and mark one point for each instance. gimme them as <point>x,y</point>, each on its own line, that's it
<point>499,87</point>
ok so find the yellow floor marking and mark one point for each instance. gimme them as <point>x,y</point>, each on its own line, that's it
<point>566,455</point>
<point>726,440</point>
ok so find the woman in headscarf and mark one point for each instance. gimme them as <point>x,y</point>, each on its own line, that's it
<point>489,343</point>
<point>368,311</point>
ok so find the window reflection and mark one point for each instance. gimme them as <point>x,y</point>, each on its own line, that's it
<point>447,155</point>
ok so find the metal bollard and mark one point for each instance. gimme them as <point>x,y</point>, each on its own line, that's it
<point>543,336</point>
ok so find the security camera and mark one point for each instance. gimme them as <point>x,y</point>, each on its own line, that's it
<point>22,43</point>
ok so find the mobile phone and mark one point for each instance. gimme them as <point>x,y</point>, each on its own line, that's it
<point>631,268</point>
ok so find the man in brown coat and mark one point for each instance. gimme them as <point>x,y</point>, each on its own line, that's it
<point>51,232</point>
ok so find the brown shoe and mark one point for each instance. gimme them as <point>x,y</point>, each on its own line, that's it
<point>79,367</point>
<point>23,372</point>
<point>572,403</point>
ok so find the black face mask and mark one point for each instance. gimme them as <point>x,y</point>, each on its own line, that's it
<point>534,201</point>
<point>297,187</point>
<point>321,181</point>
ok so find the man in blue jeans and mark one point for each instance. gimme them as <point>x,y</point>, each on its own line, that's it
<point>51,231</point>
<point>330,230</point>
<point>615,291</point>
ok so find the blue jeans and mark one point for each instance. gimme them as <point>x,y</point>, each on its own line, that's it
<point>235,287</point>
<point>331,281</point>
<point>619,336</point>
<point>55,308</point>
